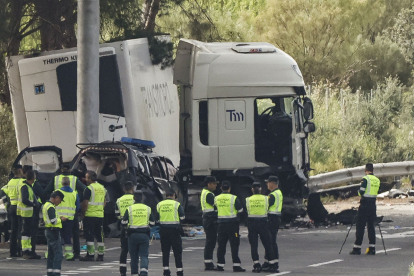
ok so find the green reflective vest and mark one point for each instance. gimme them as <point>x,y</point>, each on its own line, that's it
<point>373,185</point>
<point>48,222</point>
<point>139,215</point>
<point>23,210</point>
<point>97,201</point>
<point>257,206</point>
<point>67,208</point>
<point>225,205</point>
<point>12,188</point>
<point>168,211</point>
<point>204,204</point>
<point>123,203</point>
<point>276,208</point>
<point>58,181</point>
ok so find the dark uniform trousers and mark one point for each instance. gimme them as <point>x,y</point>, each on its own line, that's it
<point>260,228</point>
<point>274,222</point>
<point>171,238</point>
<point>76,242</point>
<point>35,227</point>
<point>228,231</point>
<point>93,229</point>
<point>16,230</point>
<point>210,228</point>
<point>124,252</point>
<point>367,214</point>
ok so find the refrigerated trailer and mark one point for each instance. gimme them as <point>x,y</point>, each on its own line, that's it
<point>136,98</point>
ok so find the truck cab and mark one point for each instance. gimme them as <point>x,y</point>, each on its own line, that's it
<point>244,116</point>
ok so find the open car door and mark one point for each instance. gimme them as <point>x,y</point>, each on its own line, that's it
<point>44,160</point>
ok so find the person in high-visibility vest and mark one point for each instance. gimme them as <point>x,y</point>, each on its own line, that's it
<point>275,214</point>
<point>137,219</point>
<point>367,211</point>
<point>10,192</point>
<point>209,220</point>
<point>77,186</point>
<point>170,214</point>
<point>121,206</point>
<point>68,209</point>
<point>38,192</point>
<point>53,224</point>
<point>257,210</point>
<point>27,202</point>
<point>94,200</point>
<point>228,206</point>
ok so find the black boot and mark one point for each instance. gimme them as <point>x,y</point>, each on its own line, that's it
<point>220,268</point>
<point>238,269</point>
<point>99,258</point>
<point>167,272</point>
<point>209,266</point>
<point>257,268</point>
<point>370,251</point>
<point>265,266</point>
<point>87,258</point>
<point>355,251</point>
<point>180,273</point>
<point>274,268</point>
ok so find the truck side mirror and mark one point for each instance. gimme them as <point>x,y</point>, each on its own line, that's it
<point>307,109</point>
<point>309,127</point>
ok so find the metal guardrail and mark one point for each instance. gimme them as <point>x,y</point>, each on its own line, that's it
<point>320,181</point>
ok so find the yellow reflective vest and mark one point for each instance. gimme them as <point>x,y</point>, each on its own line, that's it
<point>139,215</point>
<point>97,201</point>
<point>67,208</point>
<point>48,221</point>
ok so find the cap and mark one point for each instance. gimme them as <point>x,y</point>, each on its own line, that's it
<point>59,194</point>
<point>138,192</point>
<point>256,184</point>
<point>225,185</point>
<point>272,178</point>
<point>210,179</point>
<point>66,167</point>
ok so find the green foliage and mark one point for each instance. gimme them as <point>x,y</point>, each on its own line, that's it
<point>8,149</point>
<point>402,33</point>
<point>357,129</point>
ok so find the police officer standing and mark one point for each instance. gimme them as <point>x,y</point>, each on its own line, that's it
<point>170,213</point>
<point>76,186</point>
<point>257,209</point>
<point>209,220</point>
<point>275,213</point>
<point>228,206</point>
<point>68,209</point>
<point>121,206</point>
<point>367,211</point>
<point>94,200</point>
<point>53,224</point>
<point>26,203</point>
<point>138,218</point>
<point>10,190</point>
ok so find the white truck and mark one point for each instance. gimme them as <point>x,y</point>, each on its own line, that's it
<point>242,114</point>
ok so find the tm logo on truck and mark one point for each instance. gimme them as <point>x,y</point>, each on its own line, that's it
<point>235,116</point>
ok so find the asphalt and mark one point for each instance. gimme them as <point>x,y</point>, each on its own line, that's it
<point>303,251</point>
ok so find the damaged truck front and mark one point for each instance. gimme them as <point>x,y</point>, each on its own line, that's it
<point>244,116</point>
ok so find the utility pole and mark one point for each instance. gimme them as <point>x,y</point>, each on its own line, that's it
<point>88,72</point>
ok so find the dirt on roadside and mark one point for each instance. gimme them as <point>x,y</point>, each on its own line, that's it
<point>385,206</point>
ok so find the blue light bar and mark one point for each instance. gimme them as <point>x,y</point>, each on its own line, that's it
<point>138,142</point>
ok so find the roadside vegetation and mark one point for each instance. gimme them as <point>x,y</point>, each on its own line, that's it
<point>357,56</point>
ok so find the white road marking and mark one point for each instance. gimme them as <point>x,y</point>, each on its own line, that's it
<point>113,248</point>
<point>280,273</point>
<point>321,232</point>
<point>108,263</point>
<point>77,271</point>
<point>325,263</point>
<point>116,262</point>
<point>388,250</point>
<point>95,266</point>
<point>149,257</point>
<point>155,255</point>
<point>194,248</point>
<point>91,268</point>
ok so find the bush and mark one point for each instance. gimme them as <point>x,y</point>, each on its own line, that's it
<point>8,148</point>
